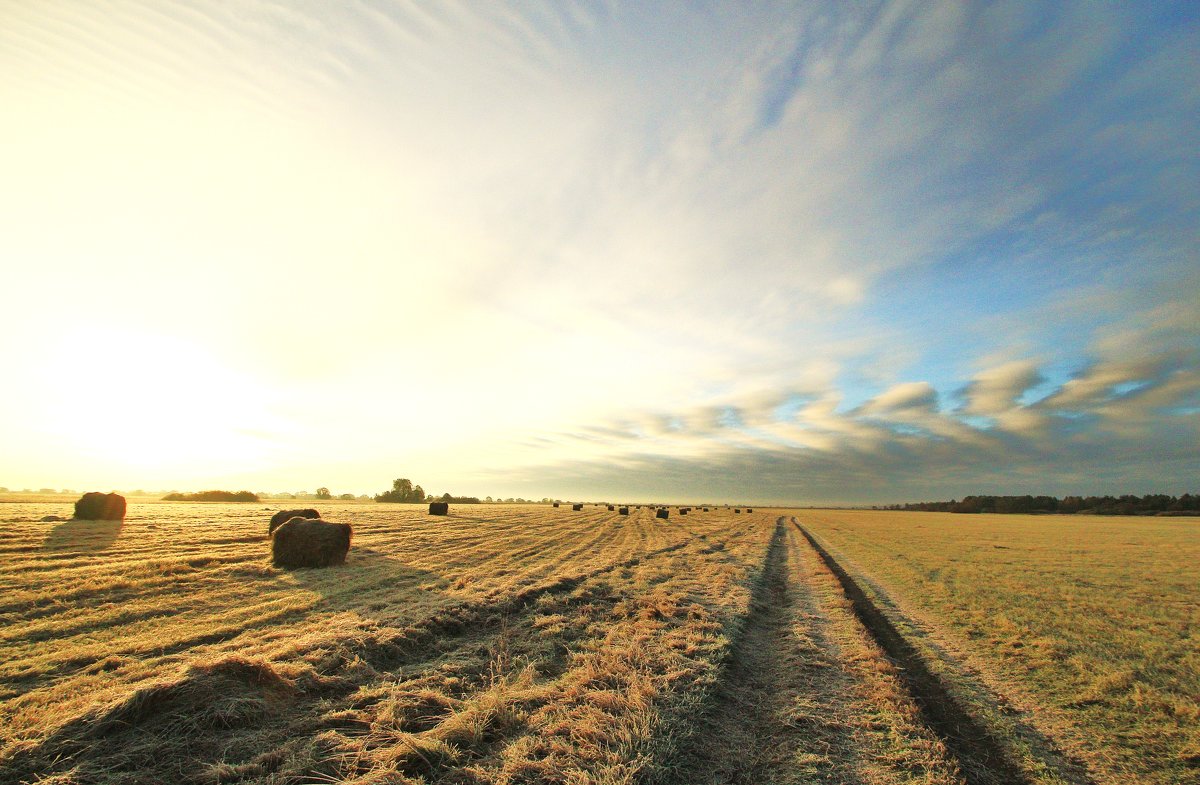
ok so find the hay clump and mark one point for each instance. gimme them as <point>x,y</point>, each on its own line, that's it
<point>439,508</point>
<point>309,542</point>
<point>283,516</point>
<point>96,506</point>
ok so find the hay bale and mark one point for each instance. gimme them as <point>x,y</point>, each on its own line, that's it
<point>706,509</point>
<point>737,510</point>
<point>576,506</point>
<point>611,508</point>
<point>749,509</point>
<point>439,508</point>
<point>663,513</point>
<point>283,516</point>
<point>95,506</point>
<point>309,542</point>
<point>556,504</point>
<point>683,511</point>
<point>623,511</point>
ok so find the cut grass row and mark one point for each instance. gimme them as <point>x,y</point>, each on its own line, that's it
<point>506,645</point>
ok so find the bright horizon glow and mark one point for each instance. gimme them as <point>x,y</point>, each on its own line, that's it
<point>811,254</point>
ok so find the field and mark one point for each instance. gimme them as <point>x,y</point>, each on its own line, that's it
<point>528,644</point>
<point>1087,627</point>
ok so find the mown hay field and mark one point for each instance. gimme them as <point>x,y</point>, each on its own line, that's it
<point>499,644</point>
<point>1087,628</point>
<point>528,644</point>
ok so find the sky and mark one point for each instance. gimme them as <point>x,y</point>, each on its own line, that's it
<point>804,253</point>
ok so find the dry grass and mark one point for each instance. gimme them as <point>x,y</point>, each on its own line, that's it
<point>502,644</point>
<point>1081,630</point>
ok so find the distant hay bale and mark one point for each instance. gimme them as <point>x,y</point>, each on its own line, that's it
<point>706,509</point>
<point>53,519</point>
<point>749,509</point>
<point>623,511</point>
<point>576,506</point>
<point>663,513</point>
<point>439,508</point>
<point>735,509</point>
<point>95,506</point>
<point>283,516</point>
<point>556,504</point>
<point>309,542</point>
<point>683,511</point>
<point>611,508</point>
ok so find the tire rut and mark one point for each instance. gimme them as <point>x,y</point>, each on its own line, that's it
<point>983,758</point>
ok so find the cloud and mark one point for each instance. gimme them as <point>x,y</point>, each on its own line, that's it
<point>474,235</point>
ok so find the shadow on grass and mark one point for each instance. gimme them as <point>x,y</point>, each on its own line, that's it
<point>80,536</point>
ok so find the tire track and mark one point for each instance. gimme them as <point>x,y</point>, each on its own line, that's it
<point>982,757</point>
<point>758,727</point>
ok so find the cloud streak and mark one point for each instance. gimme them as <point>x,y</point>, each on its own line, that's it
<point>816,242</point>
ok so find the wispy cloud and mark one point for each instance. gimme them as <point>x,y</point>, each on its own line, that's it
<point>861,250</point>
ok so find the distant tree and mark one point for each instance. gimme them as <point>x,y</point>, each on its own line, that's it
<point>323,493</point>
<point>403,491</point>
<point>347,497</point>
<point>3,490</point>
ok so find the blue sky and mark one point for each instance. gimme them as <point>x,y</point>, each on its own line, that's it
<point>805,252</point>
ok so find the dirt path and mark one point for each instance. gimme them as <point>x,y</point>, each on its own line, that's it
<point>773,718</point>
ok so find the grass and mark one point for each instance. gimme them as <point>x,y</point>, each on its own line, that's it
<point>525,644</point>
<point>499,644</point>
<point>1085,628</point>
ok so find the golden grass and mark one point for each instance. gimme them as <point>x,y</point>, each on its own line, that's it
<point>525,644</point>
<point>484,646</point>
<point>1084,628</point>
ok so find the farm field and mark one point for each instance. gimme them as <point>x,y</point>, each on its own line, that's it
<point>500,644</point>
<point>1088,628</point>
<point>529,644</point>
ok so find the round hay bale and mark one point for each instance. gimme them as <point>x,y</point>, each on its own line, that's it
<point>683,511</point>
<point>749,509</point>
<point>556,504</point>
<point>663,513</point>
<point>309,542</point>
<point>439,508</point>
<point>283,516</point>
<point>623,511</point>
<point>611,508</point>
<point>96,506</point>
<point>576,506</point>
<point>737,510</point>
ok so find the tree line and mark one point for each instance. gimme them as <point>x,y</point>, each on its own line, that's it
<point>1151,504</point>
<point>404,492</point>
<point>212,496</point>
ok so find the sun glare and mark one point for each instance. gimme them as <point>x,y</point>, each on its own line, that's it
<point>148,402</point>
